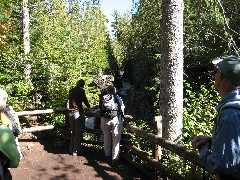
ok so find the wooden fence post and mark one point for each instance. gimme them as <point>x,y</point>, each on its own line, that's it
<point>157,130</point>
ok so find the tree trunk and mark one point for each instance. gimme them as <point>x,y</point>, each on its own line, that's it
<point>26,36</point>
<point>26,40</point>
<point>171,87</point>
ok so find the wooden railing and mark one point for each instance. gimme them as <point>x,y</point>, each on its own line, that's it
<point>150,165</point>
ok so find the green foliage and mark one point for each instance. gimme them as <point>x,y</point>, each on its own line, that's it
<point>139,142</point>
<point>9,26</point>
<point>136,46</point>
<point>199,110</point>
<point>12,79</point>
<point>183,167</point>
<point>210,31</point>
<point>68,42</point>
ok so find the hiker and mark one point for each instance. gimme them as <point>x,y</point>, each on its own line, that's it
<point>9,154</point>
<point>9,118</point>
<point>220,154</point>
<point>112,109</point>
<point>77,97</point>
<point>9,131</point>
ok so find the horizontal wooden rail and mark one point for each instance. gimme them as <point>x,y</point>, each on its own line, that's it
<point>154,163</point>
<point>45,111</point>
<point>58,111</point>
<point>37,128</point>
<point>176,148</point>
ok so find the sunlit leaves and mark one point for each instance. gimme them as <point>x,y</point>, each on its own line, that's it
<point>199,110</point>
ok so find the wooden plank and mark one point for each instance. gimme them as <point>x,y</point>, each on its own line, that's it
<point>46,111</point>
<point>37,128</point>
<point>157,125</point>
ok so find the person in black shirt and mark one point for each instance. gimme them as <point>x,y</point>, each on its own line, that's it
<point>77,97</point>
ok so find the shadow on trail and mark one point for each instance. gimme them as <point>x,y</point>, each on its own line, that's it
<point>93,157</point>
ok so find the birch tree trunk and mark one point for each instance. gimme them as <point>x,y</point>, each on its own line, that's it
<point>171,87</point>
<point>26,36</point>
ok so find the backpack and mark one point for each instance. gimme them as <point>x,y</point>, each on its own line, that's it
<point>7,119</point>
<point>109,106</point>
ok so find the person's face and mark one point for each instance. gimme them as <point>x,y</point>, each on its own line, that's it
<point>218,77</point>
<point>3,103</point>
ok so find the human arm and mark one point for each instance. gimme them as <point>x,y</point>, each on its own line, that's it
<point>85,101</point>
<point>225,150</point>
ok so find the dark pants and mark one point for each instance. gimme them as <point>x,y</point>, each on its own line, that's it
<point>77,130</point>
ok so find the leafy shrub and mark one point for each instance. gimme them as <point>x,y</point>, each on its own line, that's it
<point>199,110</point>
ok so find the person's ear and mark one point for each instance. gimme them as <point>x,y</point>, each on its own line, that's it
<point>219,76</point>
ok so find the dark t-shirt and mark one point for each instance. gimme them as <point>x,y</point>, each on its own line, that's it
<point>77,96</point>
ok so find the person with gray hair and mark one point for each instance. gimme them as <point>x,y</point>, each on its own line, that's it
<point>220,153</point>
<point>10,153</point>
<point>9,118</point>
<point>3,99</point>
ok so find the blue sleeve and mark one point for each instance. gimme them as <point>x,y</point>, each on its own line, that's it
<point>225,155</point>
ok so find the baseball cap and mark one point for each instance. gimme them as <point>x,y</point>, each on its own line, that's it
<point>230,68</point>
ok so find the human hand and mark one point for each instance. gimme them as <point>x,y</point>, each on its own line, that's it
<point>200,141</point>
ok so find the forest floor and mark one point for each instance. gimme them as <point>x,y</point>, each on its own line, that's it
<point>46,157</point>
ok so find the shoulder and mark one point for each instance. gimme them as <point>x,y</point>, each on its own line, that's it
<point>9,109</point>
<point>231,115</point>
<point>76,90</point>
<point>118,98</point>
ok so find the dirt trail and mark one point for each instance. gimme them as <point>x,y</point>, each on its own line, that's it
<point>47,158</point>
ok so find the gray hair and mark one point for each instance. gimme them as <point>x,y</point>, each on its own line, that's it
<point>3,99</point>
